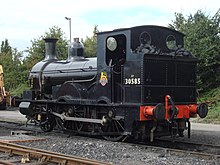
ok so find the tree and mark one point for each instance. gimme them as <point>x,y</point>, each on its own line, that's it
<point>5,47</point>
<point>90,44</point>
<point>16,70</point>
<point>10,60</point>
<point>203,40</point>
<point>36,52</point>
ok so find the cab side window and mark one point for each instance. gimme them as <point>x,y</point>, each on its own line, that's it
<point>115,50</point>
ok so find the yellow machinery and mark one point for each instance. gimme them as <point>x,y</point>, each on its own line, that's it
<point>4,95</point>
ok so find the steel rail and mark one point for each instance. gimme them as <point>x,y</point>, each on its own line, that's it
<point>47,156</point>
<point>188,152</point>
<point>169,147</point>
<point>194,146</point>
<point>5,162</point>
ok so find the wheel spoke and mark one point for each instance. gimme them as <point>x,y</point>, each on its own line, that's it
<point>47,125</point>
<point>76,112</point>
<point>122,128</point>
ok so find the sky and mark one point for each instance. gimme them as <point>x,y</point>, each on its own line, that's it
<point>24,20</point>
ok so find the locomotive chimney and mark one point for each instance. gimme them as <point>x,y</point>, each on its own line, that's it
<point>50,47</point>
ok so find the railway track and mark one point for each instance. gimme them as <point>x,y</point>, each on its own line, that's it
<point>178,148</point>
<point>211,149</point>
<point>28,153</point>
<point>207,151</point>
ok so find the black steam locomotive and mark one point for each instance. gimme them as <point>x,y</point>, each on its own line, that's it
<point>142,84</point>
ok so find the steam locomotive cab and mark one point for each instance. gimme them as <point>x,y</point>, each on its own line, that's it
<point>141,84</point>
<point>148,68</point>
<point>147,62</point>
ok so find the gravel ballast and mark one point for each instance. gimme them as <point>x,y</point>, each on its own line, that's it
<point>117,152</point>
<point>114,152</point>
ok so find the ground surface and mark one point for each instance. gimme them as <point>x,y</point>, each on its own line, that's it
<point>118,152</point>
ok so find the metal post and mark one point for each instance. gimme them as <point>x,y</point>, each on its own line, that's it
<point>69,19</point>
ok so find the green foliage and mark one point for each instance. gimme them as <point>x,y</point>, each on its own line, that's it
<point>19,89</point>
<point>203,40</point>
<point>16,70</point>
<point>5,47</point>
<point>212,97</point>
<point>10,60</point>
<point>37,51</point>
<point>90,44</point>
